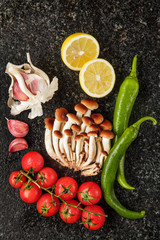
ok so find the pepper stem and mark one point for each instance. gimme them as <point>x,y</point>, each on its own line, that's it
<point>134,67</point>
<point>140,121</point>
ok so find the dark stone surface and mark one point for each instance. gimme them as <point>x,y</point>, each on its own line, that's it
<point>123,29</point>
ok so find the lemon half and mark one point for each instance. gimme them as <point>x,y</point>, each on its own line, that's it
<point>78,49</point>
<point>97,78</point>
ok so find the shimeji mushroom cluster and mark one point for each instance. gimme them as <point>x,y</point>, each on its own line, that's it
<point>80,141</point>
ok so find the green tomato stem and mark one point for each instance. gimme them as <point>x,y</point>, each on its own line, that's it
<point>52,194</point>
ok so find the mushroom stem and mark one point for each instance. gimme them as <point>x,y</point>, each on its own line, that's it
<point>92,149</point>
<point>78,149</point>
<point>99,150</point>
<point>86,148</point>
<point>67,146</point>
<point>72,119</point>
<point>102,158</point>
<point>61,146</point>
<point>106,144</point>
<point>74,161</point>
<point>76,128</point>
<point>106,139</point>
<point>48,143</point>
<point>60,117</point>
<point>55,140</point>
<point>88,113</point>
<point>50,149</point>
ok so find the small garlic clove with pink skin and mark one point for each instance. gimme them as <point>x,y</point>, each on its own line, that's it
<point>17,128</point>
<point>18,93</point>
<point>18,144</point>
<point>31,82</point>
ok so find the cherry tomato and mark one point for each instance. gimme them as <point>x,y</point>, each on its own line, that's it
<point>47,176</point>
<point>66,187</point>
<point>47,205</point>
<point>90,221</point>
<point>89,193</point>
<point>68,213</point>
<point>30,193</point>
<point>14,177</point>
<point>32,160</point>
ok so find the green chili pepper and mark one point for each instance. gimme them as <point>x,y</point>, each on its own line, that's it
<point>124,104</point>
<point>110,168</point>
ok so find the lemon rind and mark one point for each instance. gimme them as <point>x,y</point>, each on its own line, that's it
<point>70,40</point>
<point>81,78</point>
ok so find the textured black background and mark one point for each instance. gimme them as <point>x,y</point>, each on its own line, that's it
<point>123,29</point>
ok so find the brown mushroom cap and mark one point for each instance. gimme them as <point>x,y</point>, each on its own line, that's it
<point>90,103</point>
<point>60,114</point>
<point>83,134</point>
<point>94,128</point>
<point>80,108</point>
<point>107,134</point>
<point>87,121</point>
<point>75,127</point>
<point>73,118</point>
<point>68,132</point>
<point>49,123</point>
<point>92,134</point>
<point>97,117</point>
<point>86,141</point>
<point>104,153</point>
<point>58,134</point>
<point>106,125</point>
<point>78,137</point>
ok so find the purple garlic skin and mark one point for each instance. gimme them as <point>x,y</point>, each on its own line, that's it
<point>29,88</point>
<point>18,144</point>
<point>17,128</point>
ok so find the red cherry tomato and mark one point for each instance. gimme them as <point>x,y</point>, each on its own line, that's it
<point>89,193</point>
<point>68,213</point>
<point>66,187</point>
<point>47,176</point>
<point>47,205</point>
<point>14,177</point>
<point>31,194</point>
<point>32,160</point>
<point>93,222</point>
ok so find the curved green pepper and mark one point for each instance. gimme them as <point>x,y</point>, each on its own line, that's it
<point>124,104</point>
<point>110,168</point>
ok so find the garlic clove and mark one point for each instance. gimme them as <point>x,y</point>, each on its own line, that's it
<point>17,128</point>
<point>32,82</point>
<point>18,93</point>
<point>18,144</point>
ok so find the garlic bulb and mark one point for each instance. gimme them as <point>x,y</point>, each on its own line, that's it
<point>29,88</point>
